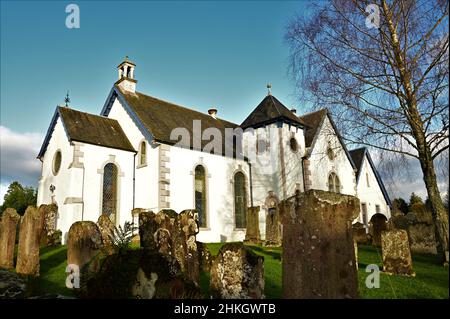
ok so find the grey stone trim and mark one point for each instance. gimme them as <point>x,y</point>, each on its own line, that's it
<point>78,154</point>
<point>73,200</point>
<point>164,176</point>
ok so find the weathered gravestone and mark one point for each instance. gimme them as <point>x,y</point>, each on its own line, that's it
<point>318,249</point>
<point>172,234</point>
<point>49,215</point>
<point>359,233</point>
<point>396,253</point>
<point>139,274</point>
<point>29,240</point>
<point>12,286</point>
<point>204,257</point>
<point>8,228</point>
<point>252,235</point>
<point>421,230</point>
<point>84,242</point>
<point>237,272</point>
<point>273,222</point>
<point>189,228</point>
<point>377,224</point>
<point>106,228</point>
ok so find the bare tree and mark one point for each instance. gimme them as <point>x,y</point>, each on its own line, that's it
<point>387,85</point>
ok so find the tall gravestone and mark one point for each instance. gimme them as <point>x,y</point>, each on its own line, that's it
<point>31,227</point>
<point>83,243</point>
<point>396,253</point>
<point>318,249</point>
<point>359,233</point>
<point>237,273</point>
<point>273,222</point>
<point>189,228</point>
<point>8,228</point>
<point>252,234</point>
<point>377,224</point>
<point>421,230</point>
<point>49,216</point>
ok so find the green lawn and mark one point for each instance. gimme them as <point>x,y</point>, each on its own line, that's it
<point>431,281</point>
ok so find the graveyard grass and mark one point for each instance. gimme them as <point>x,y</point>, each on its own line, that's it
<point>431,281</point>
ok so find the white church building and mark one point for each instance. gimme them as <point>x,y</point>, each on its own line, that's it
<point>143,152</point>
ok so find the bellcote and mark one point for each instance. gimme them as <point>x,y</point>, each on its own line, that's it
<point>126,79</point>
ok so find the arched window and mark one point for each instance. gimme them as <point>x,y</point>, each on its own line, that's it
<point>56,162</point>
<point>240,200</point>
<point>109,205</point>
<point>334,185</point>
<point>143,155</point>
<point>200,194</point>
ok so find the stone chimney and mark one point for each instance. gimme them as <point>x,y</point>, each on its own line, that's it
<point>213,112</point>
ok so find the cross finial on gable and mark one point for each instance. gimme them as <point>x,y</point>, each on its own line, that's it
<point>269,89</point>
<point>67,99</point>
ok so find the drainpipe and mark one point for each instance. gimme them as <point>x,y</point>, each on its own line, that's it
<point>251,182</point>
<point>134,178</point>
<point>82,197</point>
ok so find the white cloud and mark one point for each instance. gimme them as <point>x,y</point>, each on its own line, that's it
<point>18,157</point>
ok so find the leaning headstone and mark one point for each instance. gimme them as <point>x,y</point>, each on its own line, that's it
<point>396,253</point>
<point>252,235</point>
<point>273,222</point>
<point>83,243</point>
<point>318,249</point>
<point>8,227</point>
<point>29,240</point>
<point>237,273</point>
<point>359,233</point>
<point>49,215</point>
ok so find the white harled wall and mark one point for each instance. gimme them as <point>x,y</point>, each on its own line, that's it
<point>370,193</point>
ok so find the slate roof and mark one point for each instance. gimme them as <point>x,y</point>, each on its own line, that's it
<point>358,158</point>
<point>270,110</point>
<point>313,121</point>
<point>160,117</point>
<point>88,128</point>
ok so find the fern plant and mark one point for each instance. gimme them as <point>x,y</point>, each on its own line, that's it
<point>121,237</point>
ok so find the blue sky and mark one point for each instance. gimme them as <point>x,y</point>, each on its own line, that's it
<point>199,54</point>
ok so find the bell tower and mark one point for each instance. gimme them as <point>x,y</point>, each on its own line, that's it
<point>126,79</point>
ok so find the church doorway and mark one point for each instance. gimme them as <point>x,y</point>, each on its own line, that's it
<point>109,201</point>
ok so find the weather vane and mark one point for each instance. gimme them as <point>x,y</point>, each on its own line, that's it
<point>269,89</point>
<point>67,99</point>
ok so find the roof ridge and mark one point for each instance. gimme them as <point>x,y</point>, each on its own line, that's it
<point>274,104</point>
<point>185,107</point>
<point>312,112</point>
<point>92,114</point>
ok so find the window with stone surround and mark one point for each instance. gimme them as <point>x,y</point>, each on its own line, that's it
<point>240,200</point>
<point>200,194</point>
<point>334,185</point>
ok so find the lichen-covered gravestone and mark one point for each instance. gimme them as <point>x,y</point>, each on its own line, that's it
<point>106,228</point>
<point>396,252</point>
<point>29,240</point>
<point>172,234</point>
<point>359,233</point>
<point>83,243</point>
<point>273,222</point>
<point>49,215</point>
<point>421,230</point>
<point>252,234</point>
<point>318,249</point>
<point>237,273</point>
<point>8,227</point>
